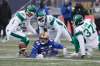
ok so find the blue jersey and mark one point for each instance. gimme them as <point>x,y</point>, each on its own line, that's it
<point>49,49</point>
<point>66,11</point>
<point>38,6</point>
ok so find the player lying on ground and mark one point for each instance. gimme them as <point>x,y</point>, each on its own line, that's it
<point>19,18</point>
<point>44,47</point>
<point>50,22</point>
<point>85,37</point>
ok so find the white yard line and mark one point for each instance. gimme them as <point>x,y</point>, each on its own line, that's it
<point>49,59</point>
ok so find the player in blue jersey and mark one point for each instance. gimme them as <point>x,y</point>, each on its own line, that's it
<point>44,47</point>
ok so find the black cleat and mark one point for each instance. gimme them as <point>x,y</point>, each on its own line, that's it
<point>83,56</point>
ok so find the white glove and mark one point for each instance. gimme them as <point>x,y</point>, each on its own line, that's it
<point>39,56</point>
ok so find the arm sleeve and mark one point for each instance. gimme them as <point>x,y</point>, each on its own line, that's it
<point>34,51</point>
<point>57,38</point>
<point>57,45</point>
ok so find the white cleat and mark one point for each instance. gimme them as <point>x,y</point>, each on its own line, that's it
<point>74,55</point>
<point>77,55</point>
<point>89,55</point>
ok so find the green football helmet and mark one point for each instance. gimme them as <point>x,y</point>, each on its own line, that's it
<point>41,13</point>
<point>78,19</point>
<point>41,18</point>
<point>31,8</point>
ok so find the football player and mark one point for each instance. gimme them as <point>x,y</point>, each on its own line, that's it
<point>23,16</point>
<point>51,22</point>
<point>44,47</point>
<point>85,37</point>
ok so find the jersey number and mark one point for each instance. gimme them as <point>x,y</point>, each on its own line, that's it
<point>89,30</point>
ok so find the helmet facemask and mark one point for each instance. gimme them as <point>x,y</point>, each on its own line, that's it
<point>41,20</point>
<point>41,17</point>
<point>30,10</point>
<point>29,14</point>
<point>43,40</point>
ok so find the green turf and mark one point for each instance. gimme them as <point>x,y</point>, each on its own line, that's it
<point>19,62</point>
<point>9,49</point>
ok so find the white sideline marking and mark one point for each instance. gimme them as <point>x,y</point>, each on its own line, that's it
<point>49,59</point>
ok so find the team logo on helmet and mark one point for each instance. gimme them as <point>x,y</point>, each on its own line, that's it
<point>78,19</point>
<point>31,8</point>
<point>41,13</point>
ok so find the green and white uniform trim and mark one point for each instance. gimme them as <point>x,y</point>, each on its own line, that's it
<point>21,16</point>
<point>78,33</point>
<point>54,20</point>
<point>75,43</point>
<point>24,39</point>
